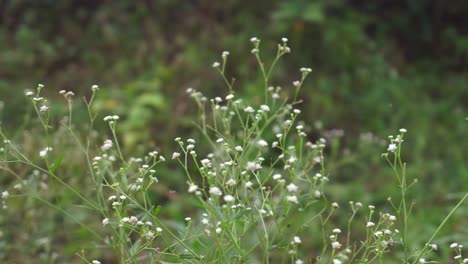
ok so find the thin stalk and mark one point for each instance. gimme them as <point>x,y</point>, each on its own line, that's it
<point>459,204</point>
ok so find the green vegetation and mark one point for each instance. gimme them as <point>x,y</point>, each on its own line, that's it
<point>377,67</point>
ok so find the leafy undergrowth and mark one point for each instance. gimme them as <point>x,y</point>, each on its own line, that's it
<point>252,186</point>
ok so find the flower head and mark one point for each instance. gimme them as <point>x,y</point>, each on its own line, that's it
<point>292,187</point>
<point>216,191</point>
<point>392,147</point>
<point>336,245</point>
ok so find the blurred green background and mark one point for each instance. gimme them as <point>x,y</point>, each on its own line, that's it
<point>377,66</point>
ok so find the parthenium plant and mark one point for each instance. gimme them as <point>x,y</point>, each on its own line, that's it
<point>260,188</point>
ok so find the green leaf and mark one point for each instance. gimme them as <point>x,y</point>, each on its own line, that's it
<point>157,210</point>
<point>282,244</point>
<point>56,164</point>
<point>186,256</point>
<point>156,101</point>
<point>313,13</point>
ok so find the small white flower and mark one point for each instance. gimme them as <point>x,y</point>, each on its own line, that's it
<point>29,93</point>
<point>265,108</point>
<point>96,262</point>
<point>231,182</point>
<point>392,218</point>
<point>336,245</point>
<point>392,147</point>
<point>317,194</point>
<point>403,130</point>
<point>335,205</point>
<point>434,247</point>
<point>105,221</point>
<point>192,188</point>
<point>252,165</point>
<point>337,261</point>
<point>44,152</point>
<point>276,176</point>
<point>112,197</point>
<point>249,109</point>
<point>262,143</point>
<point>133,220</point>
<point>149,235</point>
<point>229,198</point>
<point>216,64</point>
<point>292,187</point>
<point>190,146</point>
<point>206,163</point>
<point>175,155</point>
<point>239,149</point>
<point>44,108</point>
<point>453,245</point>
<point>292,199</point>
<point>297,240</point>
<point>292,160</point>
<point>370,224</point>
<point>95,87</point>
<point>218,230</point>
<point>254,39</point>
<point>215,191</point>
<point>336,231</point>
<point>188,219</point>
<point>158,229</point>
<point>296,83</point>
<point>111,118</point>
<point>107,145</point>
<point>5,195</point>
<point>422,261</point>
<point>299,262</point>
<point>248,184</point>
<point>205,221</point>
<point>229,97</point>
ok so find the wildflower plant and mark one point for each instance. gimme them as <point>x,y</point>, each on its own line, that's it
<point>259,189</point>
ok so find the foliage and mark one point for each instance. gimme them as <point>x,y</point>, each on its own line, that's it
<point>254,197</point>
<point>376,65</point>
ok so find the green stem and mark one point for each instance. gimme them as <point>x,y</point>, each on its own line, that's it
<point>440,227</point>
